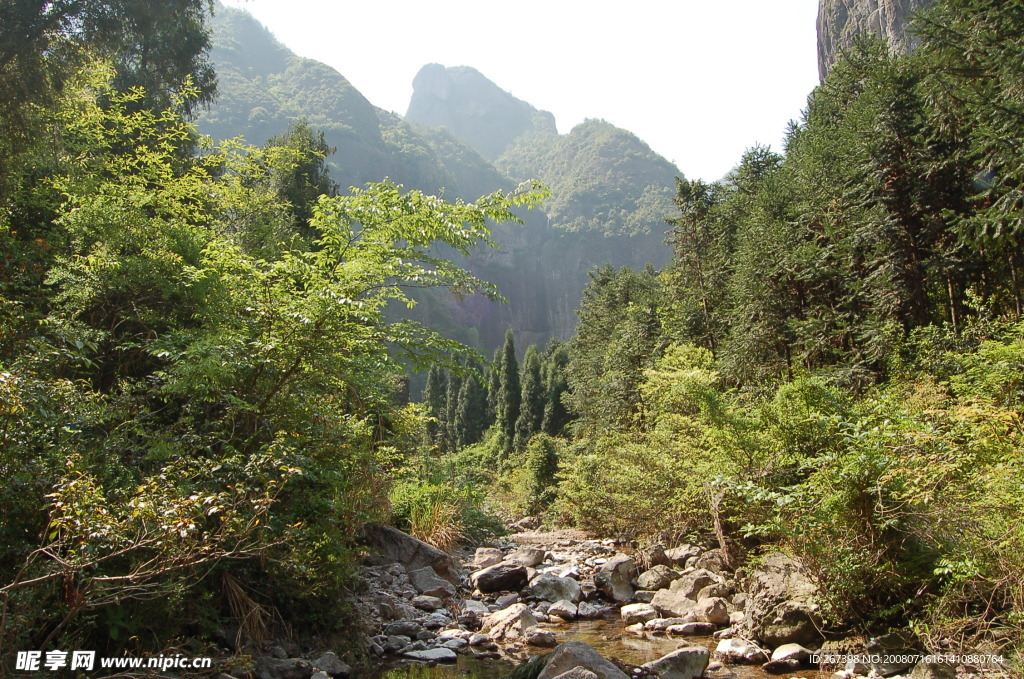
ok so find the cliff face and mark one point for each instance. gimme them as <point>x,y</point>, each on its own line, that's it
<point>839,21</point>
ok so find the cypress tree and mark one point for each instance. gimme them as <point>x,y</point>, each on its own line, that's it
<point>433,399</point>
<point>509,392</point>
<point>471,415</point>
<point>531,408</point>
<point>556,415</point>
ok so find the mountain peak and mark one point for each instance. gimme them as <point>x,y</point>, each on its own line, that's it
<point>473,108</point>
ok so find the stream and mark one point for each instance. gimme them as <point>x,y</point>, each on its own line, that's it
<point>606,635</point>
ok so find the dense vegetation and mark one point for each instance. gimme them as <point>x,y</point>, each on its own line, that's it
<point>200,399</point>
<point>203,375</point>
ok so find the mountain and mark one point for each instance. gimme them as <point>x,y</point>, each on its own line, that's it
<point>475,109</point>
<point>839,21</point>
<point>463,137</point>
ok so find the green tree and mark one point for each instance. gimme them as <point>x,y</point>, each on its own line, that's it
<point>509,394</point>
<point>531,400</point>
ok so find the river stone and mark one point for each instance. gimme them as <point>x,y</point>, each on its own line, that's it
<point>781,607</point>
<point>564,609</point>
<point>634,613</point>
<point>658,577</point>
<point>283,668</point>
<point>892,651</point>
<point>578,654</point>
<point>791,651</point>
<point>433,655</point>
<point>787,666</point>
<point>614,578</point>
<point>330,663</point>
<point>715,589</point>
<point>427,582</point>
<point>540,638</point>
<point>932,670</point>
<point>654,556</point>
<point>714,610</point>
<point>672,604</point>
<point>691,629</point>
<point>527,556</point>
<point>740,651</point>
<point>487,556</point>
<point>589,611</point>
<point>404,628</point>
<point>499,577</point>
<point>510,623</point>
<point>391,545</point>
<point>474,606</point>
<point>678,556</point>
<point>553,588</point>
<point>662,624</point>
<point>684,663</point>
<point>506,600</point>
<point>693,582</point>
<point>425,602</point>
<point>712,560</point>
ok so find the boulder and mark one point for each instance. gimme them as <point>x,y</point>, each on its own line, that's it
<point>283,668</point>
<point>781,666</point>
<point>781,607</point>
<point>589,611</point>
<point>715,589</point>
<point>426,581</point>
<point>487,556</point>
<point>499,578</point>
<point>654,556</point>
<point>672,604</point>
<point>714,610</point>
<point>662,624</point>
<point>574,654</point>
<point>553,588</point>
<point>510,623</point>
<point>433,655</point>
<point>404,628</point>
<point>678,556</point>
<point>684,663</point>
<point>692,583</point>
<point>331,664</point>
<point>933,670</point>
<point>712,560</point>
<point>564,609</point>
<point>527,556</point>
<point>634,613</point>
<point>614,578</point>
<point>892,653</point>
<point>791,652</point>
<point>541,638</point>
<point>643,596</point>
<point>658,577</point>
<point>740,652</point>
<point>427,603</point>
<point>391,545</point>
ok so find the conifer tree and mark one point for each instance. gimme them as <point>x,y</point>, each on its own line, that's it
<point>509,392</point>
<point>433,399</point>
<point>556,415</point>
<point>531,408</point>
<point>471,414</point>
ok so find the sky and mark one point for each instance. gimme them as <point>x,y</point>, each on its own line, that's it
<point>698,81</point>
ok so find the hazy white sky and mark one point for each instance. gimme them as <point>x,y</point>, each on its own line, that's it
<point>699,81</point>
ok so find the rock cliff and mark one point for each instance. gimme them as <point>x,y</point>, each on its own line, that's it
<point>839,21</point>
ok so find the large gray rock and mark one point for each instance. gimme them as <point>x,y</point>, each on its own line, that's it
<point>331,664</point>
<point>781,607</point>
<point>634,613</point>
<point>426,581</point>
<point>577,673</point>
<point>564,609</point>
<point>487,556</point>
<point>713,610</point>
<point>510,623</point>
<point>684,663</point>
<point>672,604</point>
<point>678,556</point>
<point>578,654</point>
<point>527,556</point>
<point>658,577</point>
<point>391,545</point>
<point>499,578</point>
<point>693,582</point>
<point>840,21</point>
<point>553,588</point>
<point>614,579</point>
<point>740,652</point>
<point>589,611</point>
<point>433,655</point>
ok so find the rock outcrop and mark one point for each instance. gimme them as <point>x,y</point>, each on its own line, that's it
<point>781,607</point>
<point>839,21</point>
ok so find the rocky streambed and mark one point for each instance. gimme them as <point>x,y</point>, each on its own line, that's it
<point>586,600</point>
<point>585,608</point>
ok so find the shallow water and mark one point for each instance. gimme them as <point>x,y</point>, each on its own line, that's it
<point>606,635</point>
